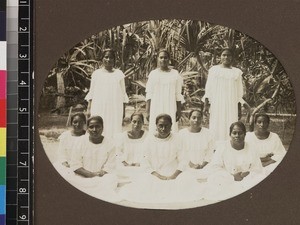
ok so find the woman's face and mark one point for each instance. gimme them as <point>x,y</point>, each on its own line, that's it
<point>195,119</point>
<point>163,127</point>
<point>108,60</point>
<point>262,123</point>
<point>163,60</point>
<point>237,134</point>
<point>77,123</point>
<point>226,58</point>
<point>95,129</point>
<point>136,123</point>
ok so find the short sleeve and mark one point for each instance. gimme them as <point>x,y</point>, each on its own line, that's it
<point>208,85</point>
<point>150,86</point>
<point>89,95</point>
<point>279,150</point>
<point>240,88</point>
<point>147,158</point>
<point>123,88</point>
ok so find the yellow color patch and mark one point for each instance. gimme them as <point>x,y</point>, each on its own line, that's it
<point>2,141</point>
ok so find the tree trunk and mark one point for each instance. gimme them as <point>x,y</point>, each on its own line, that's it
<point>60,100</point>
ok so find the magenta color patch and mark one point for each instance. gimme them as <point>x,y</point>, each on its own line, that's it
<point>2,84</point>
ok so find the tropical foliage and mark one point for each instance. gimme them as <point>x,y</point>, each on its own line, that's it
<point>194,46</point>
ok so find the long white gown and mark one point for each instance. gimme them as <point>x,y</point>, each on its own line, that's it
<point>165,157</point>
<point>224,90</point>
<point>198,147</point>
<point>228,161</point>
<point>130,151</point>
<point>164,90</point>
<point>272,144</point>
<point>108,93</point>
<point>94,158</point>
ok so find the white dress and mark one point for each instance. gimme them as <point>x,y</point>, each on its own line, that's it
<point>228,161</point>
<point>165,157</point>
<point>94,158</point>
<point>67,144</point>
<point>164,90</point>
<point>272,144</point>
<point>198,147</point>
<point>108,93</point>
<point>130,151</point>
<point>224,90</point>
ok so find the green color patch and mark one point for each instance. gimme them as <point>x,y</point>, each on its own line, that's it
<point>2,170</point>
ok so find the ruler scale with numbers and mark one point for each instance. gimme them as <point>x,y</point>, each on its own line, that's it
<point>20,119</point>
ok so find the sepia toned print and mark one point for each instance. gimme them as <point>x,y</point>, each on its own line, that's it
<point>223,74</point>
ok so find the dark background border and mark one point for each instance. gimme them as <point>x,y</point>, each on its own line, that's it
<point>60,24</point>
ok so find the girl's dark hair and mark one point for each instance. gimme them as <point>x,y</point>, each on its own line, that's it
<point>229,50</point>
<point>80,115</point>
<point>164,50</point>
<point>97,118</point>
<point>110,51</point>
<point>165,116</point>
<point>261,115</point>
<point>137,114</point>
<point>239,124</point>
<point>195,110</point>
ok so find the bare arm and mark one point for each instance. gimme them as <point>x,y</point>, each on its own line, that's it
<point>178,112</point>
<point>88,111</point>
<point>148,105</point>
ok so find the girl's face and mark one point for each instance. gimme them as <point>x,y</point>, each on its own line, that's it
<point>136,123</point>
<point>262,123</point>
<point>237,135</point>
<point>163,60</point>
<point>77,123</point>
<point>108,60</point>
<point>163,127</point>
<point>226,58</point>
<point>195,119</point>
<point>95,129</point>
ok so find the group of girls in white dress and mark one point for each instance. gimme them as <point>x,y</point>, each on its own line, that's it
<point>164,165</point>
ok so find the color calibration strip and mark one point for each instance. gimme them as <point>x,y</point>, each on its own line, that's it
<point>20,113</point>
<point>12,108</point>
<point>2,112</point>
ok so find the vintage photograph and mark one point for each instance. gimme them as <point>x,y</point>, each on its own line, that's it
<point>166,114</point>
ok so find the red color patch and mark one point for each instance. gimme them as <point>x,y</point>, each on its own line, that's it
<point>2,113</point>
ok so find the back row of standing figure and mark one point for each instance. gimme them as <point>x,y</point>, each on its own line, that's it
<point>223,92</point>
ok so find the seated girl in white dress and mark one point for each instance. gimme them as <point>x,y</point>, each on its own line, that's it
<point>68,141</point>
<point>198,144</point>
<point>130,147</point>
<point>93,162</point>
<point>236,166</point>
<point>268,144</point>
<point>164,180</point>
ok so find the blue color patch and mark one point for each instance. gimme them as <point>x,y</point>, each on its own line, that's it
<point>2,199</point>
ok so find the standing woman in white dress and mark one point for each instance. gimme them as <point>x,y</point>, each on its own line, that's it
<point>107,95</point>
<point>235,166</point>
<point>163,92</point>
<point>268,144</point>
<point>224,92</point>
<point>197,143</point>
